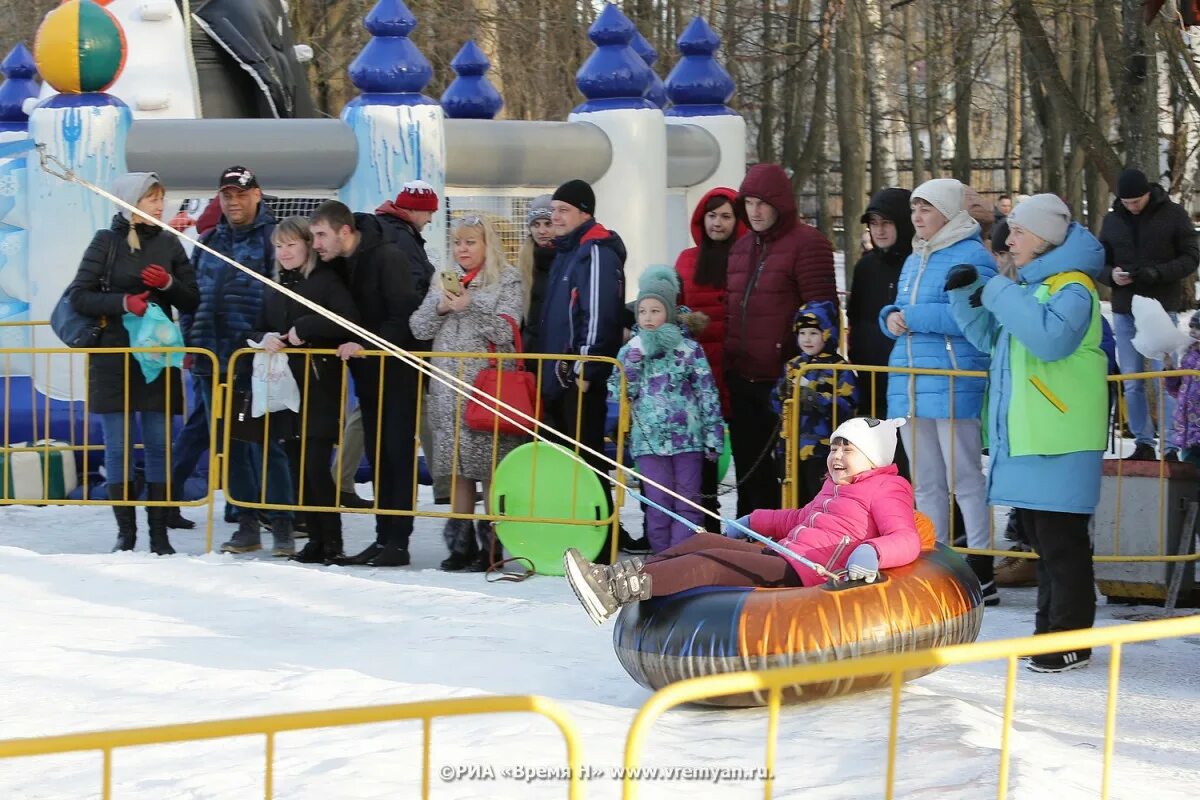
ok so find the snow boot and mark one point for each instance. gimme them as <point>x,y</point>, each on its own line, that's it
<point>160,545</point>
<point>460,541</point>
<point>177,521</point>
<point>316,549</point>
<point>984,569</point>
<point>281,533</point>
<point>126,517</point>
<point>603,589</point>
<point>248,537</point>
<point>486,539</point>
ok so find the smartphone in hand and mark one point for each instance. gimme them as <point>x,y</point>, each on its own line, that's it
<point>452,283</point>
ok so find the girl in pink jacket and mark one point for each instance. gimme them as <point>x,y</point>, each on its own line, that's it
<point>863,498</point>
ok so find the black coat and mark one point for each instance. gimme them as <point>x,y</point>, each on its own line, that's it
<point>405,236</point>
<point>1160,249</point>
<point>381,284</point>
<point>322,405</point>
<point>107,374</point>
<point>543,258</point>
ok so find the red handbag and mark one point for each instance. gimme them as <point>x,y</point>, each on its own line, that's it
<point>517,388</point>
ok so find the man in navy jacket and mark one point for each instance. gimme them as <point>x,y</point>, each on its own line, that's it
<point>581,315</point>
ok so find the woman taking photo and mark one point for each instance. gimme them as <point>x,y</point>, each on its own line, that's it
<point>128,267</point>
<point>284,322</point>
<point>474,305</point>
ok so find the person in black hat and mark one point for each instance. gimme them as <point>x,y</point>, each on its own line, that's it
<point>230,302</point>
<point>1150,249</point>
<point>582,315</point>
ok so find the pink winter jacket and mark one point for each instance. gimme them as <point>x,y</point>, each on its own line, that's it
<point>876,506</point>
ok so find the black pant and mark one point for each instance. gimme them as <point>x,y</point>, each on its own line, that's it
<point>317,480</point>
<point>585,422</point>
<point>396,434</point>
<point>1066,587</point>
<point>753,432</point>
<point>709,488</point>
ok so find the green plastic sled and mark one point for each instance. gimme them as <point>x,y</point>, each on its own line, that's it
<point>724,459</point>
<point>543,480</point>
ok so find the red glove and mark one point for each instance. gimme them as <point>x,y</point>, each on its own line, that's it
<point>188,360</point>
<point>136,303</point>
<point>156,277</point>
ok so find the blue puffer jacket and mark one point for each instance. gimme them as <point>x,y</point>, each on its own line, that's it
<point>1050,331</point>
<point>934,340</point>
<point>229,298</point>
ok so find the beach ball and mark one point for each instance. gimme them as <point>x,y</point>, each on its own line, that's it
<point>80,47</point>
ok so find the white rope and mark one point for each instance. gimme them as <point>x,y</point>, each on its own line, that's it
<point>434,372</point>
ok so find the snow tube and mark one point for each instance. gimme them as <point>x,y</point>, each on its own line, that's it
<point>933,602</point>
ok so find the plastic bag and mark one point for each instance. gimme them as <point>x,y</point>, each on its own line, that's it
<point>1157,336</point>
<point>272,385</point>
<point>154,329</point>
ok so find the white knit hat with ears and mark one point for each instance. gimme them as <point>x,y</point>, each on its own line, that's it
<point>874,438</point>
<point>947,195</point>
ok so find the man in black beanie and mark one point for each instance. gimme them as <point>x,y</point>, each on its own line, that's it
<point>1150,249</point>
<point>581,315</point>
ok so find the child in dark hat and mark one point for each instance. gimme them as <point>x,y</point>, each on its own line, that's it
<point>813,402</point>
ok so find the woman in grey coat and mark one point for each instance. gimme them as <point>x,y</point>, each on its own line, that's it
<point>475,303</point>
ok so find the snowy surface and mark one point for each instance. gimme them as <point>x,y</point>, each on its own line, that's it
<point>95,640</point>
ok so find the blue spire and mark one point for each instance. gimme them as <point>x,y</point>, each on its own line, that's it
<point>657,93</point>
<point>391,70</point>
<point>471,95</point>
<point>18,69</point>
<point>699,86</point>
<point>614,76</point>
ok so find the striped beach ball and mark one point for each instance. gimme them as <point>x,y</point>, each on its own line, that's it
<point>80,47</point>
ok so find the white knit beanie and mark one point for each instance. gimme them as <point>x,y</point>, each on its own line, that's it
<point>1044,215</point>
<point>874,438</point>
<point>947,195</point>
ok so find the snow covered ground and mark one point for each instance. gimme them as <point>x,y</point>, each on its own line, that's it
<point>94,640</point>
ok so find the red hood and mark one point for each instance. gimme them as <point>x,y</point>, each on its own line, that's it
<point>770,183</point>
<point>698,235</point>
<point>209,217</point>
<point>391,209</point>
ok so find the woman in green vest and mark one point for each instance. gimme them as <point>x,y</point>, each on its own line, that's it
<point>1047,408</point>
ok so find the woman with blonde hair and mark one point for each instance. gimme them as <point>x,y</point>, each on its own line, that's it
<point>284,322</point>
<point>474,305</point>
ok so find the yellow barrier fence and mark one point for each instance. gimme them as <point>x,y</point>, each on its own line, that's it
<point>272,725</point>
<point>772,683</point>
<point>1170,506</point>
<point>233,392</point>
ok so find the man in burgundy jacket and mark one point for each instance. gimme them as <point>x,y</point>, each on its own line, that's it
<point>772,272</point>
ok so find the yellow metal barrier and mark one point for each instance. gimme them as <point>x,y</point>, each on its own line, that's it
<point>1120,468</point>
<point>272,725</point>
<point>536,363</point>
<point>79,438</point>
<point>773,683</point>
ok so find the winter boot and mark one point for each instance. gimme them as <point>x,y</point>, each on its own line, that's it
<point>177,521</point>
<point>281,533</point>
<point>248,537</point>
<point>365,556</point>
<point>984,569</point>
<point>126,517</point>
<point>460,541</point>
<point>160,545</point>
<point>1013,572</point>
<point>393,554</point>
<point>315,550</point>
<point>603,589</point>
<point>486,539</point>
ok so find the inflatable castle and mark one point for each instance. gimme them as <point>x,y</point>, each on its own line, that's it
<point>120,95</point>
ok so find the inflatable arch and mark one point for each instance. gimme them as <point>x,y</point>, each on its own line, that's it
<point>649,166</point>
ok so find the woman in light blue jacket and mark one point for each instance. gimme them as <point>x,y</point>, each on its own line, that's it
<point>943,437</point>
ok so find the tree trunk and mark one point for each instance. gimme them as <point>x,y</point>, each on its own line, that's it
<point>766,125</point>
<point>1080,69</point>
<point>914,109</point>
<point>812,157</point>
<point>964,67</point>
<point>848,59</point>
<point>1012,121</point>
<point>882,121</point>
<point>934,31</point>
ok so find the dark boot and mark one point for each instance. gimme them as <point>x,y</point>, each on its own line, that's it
<point>160,545</point>
<point>248,537</point>
<point>281,532</point>
<point>315,549</point>
<point>460,541</point>
<point>126,517</point>
<point>984,569</point>
<point>488,547</point>
<point>177,521</point>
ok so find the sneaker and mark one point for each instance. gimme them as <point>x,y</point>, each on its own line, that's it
<point>1060,662</point>
<point>1143,452</point>
<point>991,596</point>
<point>591,584</point>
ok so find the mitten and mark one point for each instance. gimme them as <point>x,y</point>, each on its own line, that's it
<point>156,277</point>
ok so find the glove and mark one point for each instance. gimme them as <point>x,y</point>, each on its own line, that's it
<point>565,372</point>
<point>136,303</point>
<point>735,533</point>
<point>863,564</point>
<point>156,277</point>
<point>976,298</point>
<point>960,276</point>
<point>810,400</point>
<point>1147,276</point>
